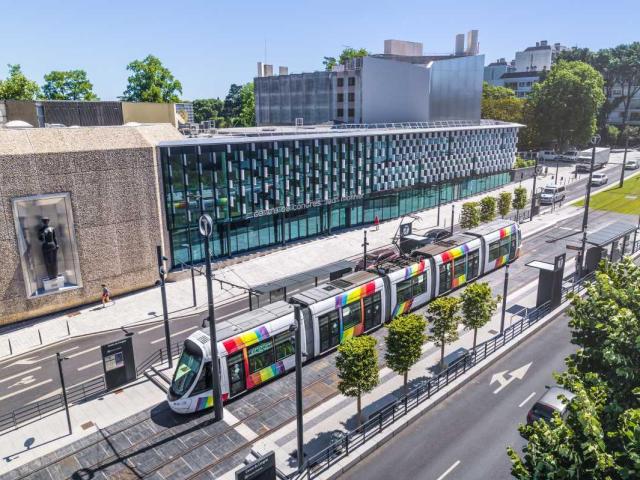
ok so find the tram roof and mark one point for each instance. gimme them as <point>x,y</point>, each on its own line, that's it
<point>252,319</point>
<point>443,245</point>
<point>491,227</point>
<point>334,287</point>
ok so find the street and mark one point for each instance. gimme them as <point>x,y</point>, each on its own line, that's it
<point>466,435</point>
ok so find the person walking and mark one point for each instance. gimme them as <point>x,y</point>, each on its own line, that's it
<point>376,222</point>
<point>106,295</point>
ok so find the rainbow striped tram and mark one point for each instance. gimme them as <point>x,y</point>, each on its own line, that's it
<point>258,346</point>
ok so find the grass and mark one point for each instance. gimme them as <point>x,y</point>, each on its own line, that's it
<point>621,200</point>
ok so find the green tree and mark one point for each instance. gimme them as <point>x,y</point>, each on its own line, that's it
<point>469,217</point>
<point>487,209</point>
<point>150,81</point>
<point>232,104</point>
<point>17,86</point>
<point>626,74</point>
<point>248,109</point>
<point>357,364</point>
<point>478,306</point>
<point>500,103</point>
<point>207,109</point>
<point>612,135</point>
<point>519,200</point>
<point>504,203</point>
<point>564,107</point>
<point>347,54</point>
<point>404,343</point>
<point>68,85</point>
<point>444,317</point>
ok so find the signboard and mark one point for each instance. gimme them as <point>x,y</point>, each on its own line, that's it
<point>262,469</point>
<point>405,229</point>
<point>118,363</point>
<point>205,225</point>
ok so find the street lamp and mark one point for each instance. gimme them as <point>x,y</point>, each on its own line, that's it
<point>453,214</point>
<point>60,359</point>
<point>585,219</point>
<point>193,276</point>
<point>299,410</point>
<point>504,297</point>
<point>364,247</point>
<point>624,160</point>
<point>533,191</point>
<point>163,293</point>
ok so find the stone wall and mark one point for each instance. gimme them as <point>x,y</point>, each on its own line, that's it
<point>112,181</point>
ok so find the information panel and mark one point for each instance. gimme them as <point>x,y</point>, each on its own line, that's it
<point>262,469</point>
<point>118,362</point>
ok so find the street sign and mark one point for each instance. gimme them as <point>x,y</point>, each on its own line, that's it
<point>405,229</point>
<point>118,363</point>
<point>262,469</point>
<point>573,247</point>
<point>205,224</point>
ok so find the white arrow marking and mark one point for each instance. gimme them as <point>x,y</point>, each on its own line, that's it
<point>25,361</point>
<point>501,377</point>
<point>23,381</point>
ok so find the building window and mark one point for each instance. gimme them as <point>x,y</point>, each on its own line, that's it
<point>352,81</point>
<point>352,97</point>
<point>352,113</point>
<point>341,97</point>
<point>341,82</point>
<point>341,112</point>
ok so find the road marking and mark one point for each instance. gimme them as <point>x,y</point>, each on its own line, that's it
<point>99,362</point>
<point>449,470</point>
<point>526,400</point>
<point>92,349</point>
<point>69,350</point>
<point>149,329</point>
<point>501,377</point>
<point>21,374</point>
<point>23,381</point>
<point>158,340</point>
<point>25,361</point>
<point>18,392</point>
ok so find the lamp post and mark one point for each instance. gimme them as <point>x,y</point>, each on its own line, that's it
<point>585,218</point>
<point>193,276</point>
<point>439,200</point>
<point>504,297</point>
<point>624,160</point>
<point>163,293</point>
<point>364,247</point>
<point>533,191</point>
<point>453,214</point>
<point>299,407</point>
<point>60,359</point>
<point>206,228</point>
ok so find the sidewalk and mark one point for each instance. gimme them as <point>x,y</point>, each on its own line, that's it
<point>145,306</point>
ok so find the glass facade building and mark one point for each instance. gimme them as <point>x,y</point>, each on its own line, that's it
<point>268,190</point>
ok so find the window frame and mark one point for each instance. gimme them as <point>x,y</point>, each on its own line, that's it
<point>283,339</point>
<point>262,344</point>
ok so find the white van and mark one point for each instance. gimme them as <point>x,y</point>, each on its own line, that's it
<point>547,155</point>
<point>552,194</point>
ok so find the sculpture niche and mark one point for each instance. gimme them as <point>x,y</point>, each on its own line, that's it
<point>49,248</point>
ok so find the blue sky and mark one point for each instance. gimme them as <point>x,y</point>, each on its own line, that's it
<point>211,44</point>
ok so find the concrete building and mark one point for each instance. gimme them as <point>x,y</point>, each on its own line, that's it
<point>616,117</point>
<point>99,188</point>
<point>401,85</point>
<point>495,70</point>
<point>520,82</point>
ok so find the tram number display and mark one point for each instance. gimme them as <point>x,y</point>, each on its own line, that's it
<point>263,468</point>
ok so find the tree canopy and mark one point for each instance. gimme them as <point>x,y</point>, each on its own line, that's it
<point>207,109</point>
<point>404,343</point>
<point>68,85</point>
<point>151,81</point>
<point>470,216</point>
<point>501,103</point>
<point>478,306</point>
<point>443,313</point>
<point>487,209</point>
<point>347,54</point>
<point>504,203</point>
<point>247,114</point>
<point>565,105</point>
<point>17,86</point>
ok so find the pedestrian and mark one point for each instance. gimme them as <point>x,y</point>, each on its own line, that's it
<point>376,222</point>
<point>106,295</point>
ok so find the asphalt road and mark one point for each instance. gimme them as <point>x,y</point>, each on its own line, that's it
<point>465,437</point>
<point>34,376</point>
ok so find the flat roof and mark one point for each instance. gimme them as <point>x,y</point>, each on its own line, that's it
<point>284,133</point>
<point>251,320</point>
<point>297,279</point>
<point>444,245</point>
<point>610,233</point>
<point>334,287</point>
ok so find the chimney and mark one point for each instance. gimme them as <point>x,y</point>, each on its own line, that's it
<point>268,70</point>
<point>459,44</point>
<point>537,44</point>
<point>260,70</point>
<point>283,70</point>
<point>543,43</point>
<point>473,47</point>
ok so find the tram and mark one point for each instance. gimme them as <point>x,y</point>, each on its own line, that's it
<point>259,345</point>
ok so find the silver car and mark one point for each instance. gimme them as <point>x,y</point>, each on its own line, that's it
<point>599,179</point>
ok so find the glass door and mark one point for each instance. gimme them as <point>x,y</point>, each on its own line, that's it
<point>237,382</point>
<point>372,311</point>
<point>329,331</point>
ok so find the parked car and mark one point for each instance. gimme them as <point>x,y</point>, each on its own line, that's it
<point>437,234</point>
<point>569,156</point>
<point>631,164</point>
<point>552,194</point>
<point>378,256</point>
<point>599,179</point>
<point>547,404</point>
<point>545,155</point>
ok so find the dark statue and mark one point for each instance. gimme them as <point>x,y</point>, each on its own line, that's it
<point>49,248</point>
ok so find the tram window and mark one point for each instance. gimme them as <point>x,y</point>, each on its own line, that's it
<point>504,246</point>
<point>285,345</point>
<point>459,266</point>
<point>494,250</point>
<point>372,311</point>
<point>329,330</point>
<point>260,356</point>
<point>403,291</point>
<point>473,264</point>
<point>205,381</point>
<point>351,315</point>
<point>186,372</point>
<point>419,284</point>
<point>512,252</point>
<point>445,277</point>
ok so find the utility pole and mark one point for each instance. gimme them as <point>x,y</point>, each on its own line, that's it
<point>585,219</point>
<point>533,191</point>
<point>206,228</point>
<point>624,160</point>
<point>439,200</point>
<point>193,275</point>
<point>364,247</point>
<point>504,297</point>
<point>299,407</point>
<point>163,293</point>
<point>64,390</point>
<point>453,213</point>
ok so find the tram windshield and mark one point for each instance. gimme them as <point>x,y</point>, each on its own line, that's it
<point>186,371</point>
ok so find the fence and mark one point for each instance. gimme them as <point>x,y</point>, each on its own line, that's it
<point>389,414</point>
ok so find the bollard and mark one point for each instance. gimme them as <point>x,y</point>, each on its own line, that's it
<point>40,336</point>
<point>10,348</point>
<point>68,330</point>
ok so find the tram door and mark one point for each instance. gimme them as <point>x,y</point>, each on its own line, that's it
<point>237,383</point>
<point>329,331</point>
<point>372,311</point>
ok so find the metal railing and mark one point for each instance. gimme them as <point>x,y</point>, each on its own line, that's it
<point>158,357</point>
